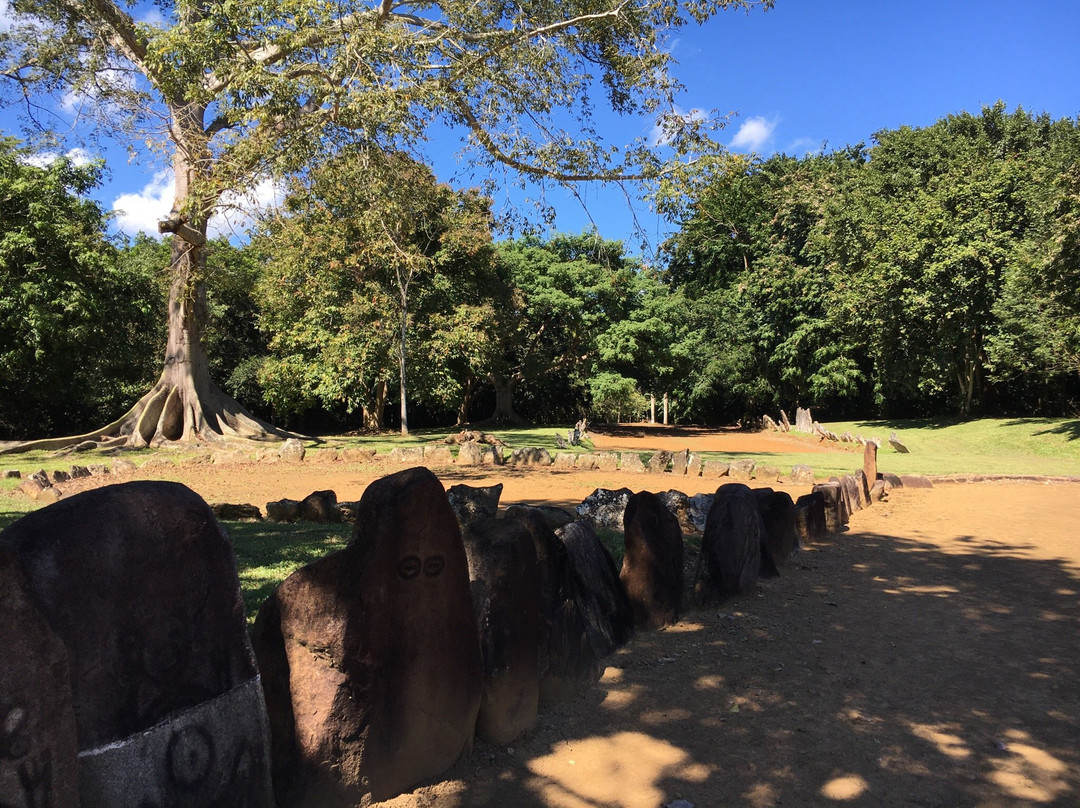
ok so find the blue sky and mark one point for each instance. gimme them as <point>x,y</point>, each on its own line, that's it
<point>807,73</point>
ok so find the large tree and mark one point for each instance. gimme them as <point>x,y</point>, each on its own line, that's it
<point>234,91</point>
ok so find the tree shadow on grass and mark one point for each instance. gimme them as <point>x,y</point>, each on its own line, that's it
<point>1070,429</point>
<point>268,552</point>
<point>875,671</point>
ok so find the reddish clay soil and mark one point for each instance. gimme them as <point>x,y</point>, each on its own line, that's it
<point>929,656</point>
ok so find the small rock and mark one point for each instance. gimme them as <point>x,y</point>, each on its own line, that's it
<point>291,451</point>
<point>12,474</point>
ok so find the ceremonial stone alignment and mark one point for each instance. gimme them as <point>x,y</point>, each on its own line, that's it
<point>370,656</point>
<point>778,540</point>
<point>652,567</point>
<point>730,558</point>
<point>659,462</point>
<point>38,746</point>
<point>566,658</point>
<point>870,469</point>
<point>139,582</point>
<point>505,588</point>
<point>609,622</point>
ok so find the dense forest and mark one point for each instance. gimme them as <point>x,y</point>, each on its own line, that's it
<point>935,272</point>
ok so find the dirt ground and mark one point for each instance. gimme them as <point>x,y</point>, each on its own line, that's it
<point>929,656</point>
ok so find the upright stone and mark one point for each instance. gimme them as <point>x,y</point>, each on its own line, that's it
<point>810,523</point>
<point>853,495</point>
<point>700,505</point>
<point>869,463</point>
<point>730,559</point>
<point>836,512</point>
<point>471,502</point>
<point>38,745</point>
<point>609,622</point>
<point>659,462</point>
<point>679,462</point>
<point>678,504</point>
<point>631,461</point>
<point>320,507</point>
<point>370,655</point>
<point>652,567</point>
<point>778,540</point>
<point>566,657</point>
<point>604,508</point>
<point>471,453</point>
<point>712,469</point>
<point>607,461</point>
<point>292,451</point>
<point>139,583</point>
<point>693,465</point>
<point>505,587</point>
<point>802,474</point>
<point>864,487</point>
<point>742,469</point>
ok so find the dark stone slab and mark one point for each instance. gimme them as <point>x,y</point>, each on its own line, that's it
<point>836,511</point>
<point>471,502</point>
<point>730,558</point>
<point>810,522</point>
<point>609,621</point>
<point>370,656</point>
<point>652,566</point>
<point>659,462</point>
<point>283,510</point>
<point>779,540</point>
<point>38,745</point>
<point>320,507</point>
<point>554,517</point>
<point>505,587</point>
<point>891,481</point>
<point>567,660</point>
<point>236,512</point>
<point>139,582</point>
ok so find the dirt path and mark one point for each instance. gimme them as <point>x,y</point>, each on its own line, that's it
<point>928,657</point>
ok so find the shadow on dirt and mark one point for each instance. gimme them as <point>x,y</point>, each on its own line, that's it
<point>876,671</point>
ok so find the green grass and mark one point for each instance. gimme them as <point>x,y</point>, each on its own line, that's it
<point>268,552</point>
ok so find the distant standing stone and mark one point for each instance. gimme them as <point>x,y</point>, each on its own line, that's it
<point>896,444</point>
<point>631,462</point>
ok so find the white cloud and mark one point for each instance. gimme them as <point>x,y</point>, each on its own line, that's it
<point>79,157</point>
<point>141,211</point>
<point>7,15</point>
<point>753,134</point>
<point>238,210</point>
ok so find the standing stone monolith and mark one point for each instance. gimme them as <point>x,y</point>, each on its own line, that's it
<point>38,746</point>
<point>506,596</point>
<point>730,558</point>
<point>652,567</point>
<point>609,621</point>
<point>778,540</point>
<point>139,582</point>
<point>567,660</point>
<point>370,655</point>
<point>810,522</point>
<point>471,502</point>
<point>869,462</point>
<point>836,511</point>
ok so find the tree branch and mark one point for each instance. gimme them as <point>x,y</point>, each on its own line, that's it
<point>115,26</point>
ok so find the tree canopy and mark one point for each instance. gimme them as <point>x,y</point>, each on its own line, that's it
<point>236,91</point>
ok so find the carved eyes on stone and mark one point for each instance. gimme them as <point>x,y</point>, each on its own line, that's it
<point>411,566</point>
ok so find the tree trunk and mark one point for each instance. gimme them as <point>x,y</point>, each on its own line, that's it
<point>652,408</point>
<point>184,405</point>
<point>665,409</point>
<point>467,392</point>
<point>373,411</point>
<point>401,368</point>
<point>504,398</point>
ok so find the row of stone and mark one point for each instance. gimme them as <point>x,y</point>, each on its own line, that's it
<point>375,664</point>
